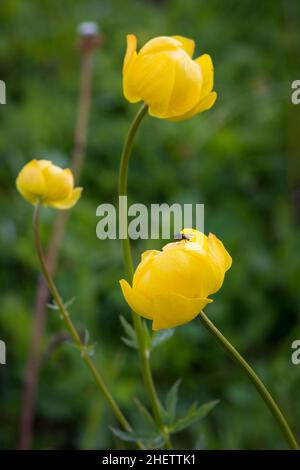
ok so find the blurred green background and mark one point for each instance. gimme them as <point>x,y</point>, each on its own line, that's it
<point>241,159</point>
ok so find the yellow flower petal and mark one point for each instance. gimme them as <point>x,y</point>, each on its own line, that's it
<point>195,236</point>
<point>188,45</point>
<point>30,182</point>
<point>146,259</point>
<point>187,85</point>
<point>153,80</point>
<point>192,268</point>
<point>160,44</point>
<point>169,82</point>
<point>206,103</point>
<point>59,183</point>
<point>172,310</point>
<point>177,270</point>
<point>53,186</point>
<point>128,70</point>
<point>131,50</point>
<point>149,253</point>
<point>43,163</point>
<point>172,286</point>
<point>203,105</point>
<point>219,252</point>
<point>207,68</point>
<point>164,76</point>
<point>69,201</point>
<point>136,301</point>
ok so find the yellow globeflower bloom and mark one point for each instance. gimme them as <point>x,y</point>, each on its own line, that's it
<point>40,180</point>
<point>164,76</point>
<point>172,286</point>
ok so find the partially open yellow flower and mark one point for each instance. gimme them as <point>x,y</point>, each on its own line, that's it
<point>172,286</point>
<point>40,180</point>
<point>164,76</point>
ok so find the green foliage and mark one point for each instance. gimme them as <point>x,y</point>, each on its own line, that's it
<point>171,401</point>
<point>161,336</point>
<point>152,437</point>
<point>194,414</point>
<point>145,413</point>
<point>241,160</point>
<point>152,340</point>
<point>151,440</point>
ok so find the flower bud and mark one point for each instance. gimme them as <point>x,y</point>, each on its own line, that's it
<point>40,180</point>
<point>164,76</point>
<point>172,286</point>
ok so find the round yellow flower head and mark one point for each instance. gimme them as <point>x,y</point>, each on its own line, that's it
<point>172,286</point>
<point>40,180</point>
<point>164,76</point>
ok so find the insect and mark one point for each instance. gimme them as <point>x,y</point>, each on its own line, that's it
<point>181,236</point>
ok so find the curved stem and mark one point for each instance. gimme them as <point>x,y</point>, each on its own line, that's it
<point>260,387</point>
<point>71,328</point>
<point>87,47</point>
<point>136,319</point>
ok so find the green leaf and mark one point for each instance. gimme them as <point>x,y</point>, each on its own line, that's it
<point>171,401</point>
<point>130,343</point>
<point>86,338</point>
<point>90,349</point>
<point>194,414</point>
<point>152,439</point>
<point>144,412</point>
<point>162,336</point>
<point>69,302</point>
<point>130,340</point>
<point>52,306</point>
<point>128,328</point>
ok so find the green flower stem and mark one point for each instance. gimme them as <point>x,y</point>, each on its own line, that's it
<point>260,387</point>
<point>71,328</point>
<point>136,319</point>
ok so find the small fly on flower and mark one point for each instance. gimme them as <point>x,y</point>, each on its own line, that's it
<point>182,236</point>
